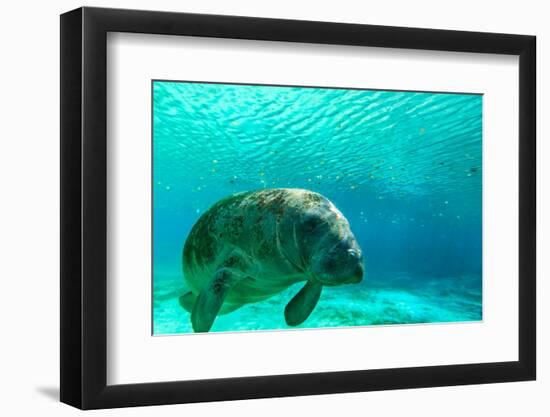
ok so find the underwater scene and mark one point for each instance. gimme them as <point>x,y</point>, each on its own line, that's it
<point>285,207</point>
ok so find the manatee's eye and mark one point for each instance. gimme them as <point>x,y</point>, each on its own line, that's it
<point>353,253</point>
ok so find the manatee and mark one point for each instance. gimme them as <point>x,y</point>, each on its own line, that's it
<point>252,245</point>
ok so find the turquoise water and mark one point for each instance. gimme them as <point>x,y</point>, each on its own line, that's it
<point>405,168</point>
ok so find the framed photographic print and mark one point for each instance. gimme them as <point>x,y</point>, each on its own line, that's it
<point>258,207</point>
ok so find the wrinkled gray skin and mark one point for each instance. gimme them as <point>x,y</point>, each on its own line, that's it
<point>253,245</point>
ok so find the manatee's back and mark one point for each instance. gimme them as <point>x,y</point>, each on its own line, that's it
<point>251,222</point>
<point>206,241</point>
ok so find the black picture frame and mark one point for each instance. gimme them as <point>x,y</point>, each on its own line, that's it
<point>84,207</point>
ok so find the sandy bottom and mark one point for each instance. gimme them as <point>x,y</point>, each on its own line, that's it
<point>395,300</point>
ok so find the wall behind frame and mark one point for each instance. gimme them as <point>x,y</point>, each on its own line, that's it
<point>29,213</point>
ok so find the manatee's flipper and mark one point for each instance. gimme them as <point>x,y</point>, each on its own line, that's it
<point>210,299</point>
<point>303,303</point>
<point>187,301</point>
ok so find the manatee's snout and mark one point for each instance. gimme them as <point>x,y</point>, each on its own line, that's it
<point>357,275</point>
<point>343,264</point>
